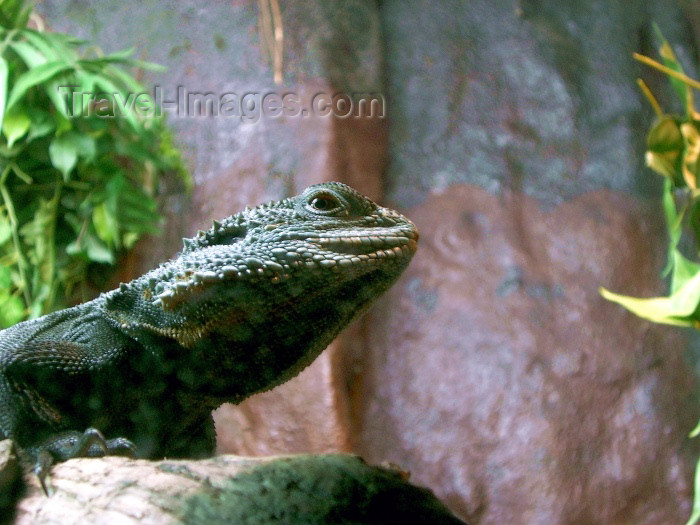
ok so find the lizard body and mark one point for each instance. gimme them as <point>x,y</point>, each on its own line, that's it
<point>244,307</point>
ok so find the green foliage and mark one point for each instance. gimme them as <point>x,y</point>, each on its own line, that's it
<point>78,174</point>
<point>673,151</point>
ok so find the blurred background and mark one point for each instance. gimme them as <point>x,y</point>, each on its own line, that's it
<point>513,134</point>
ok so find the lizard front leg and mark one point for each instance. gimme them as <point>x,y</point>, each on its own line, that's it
<point>50,382</point>
<point>73,444</point>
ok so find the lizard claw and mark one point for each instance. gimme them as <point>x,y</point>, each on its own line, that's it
<point>44,460</point>
<point>121,447</point>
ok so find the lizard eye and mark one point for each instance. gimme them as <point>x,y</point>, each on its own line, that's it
<point>324,203</point>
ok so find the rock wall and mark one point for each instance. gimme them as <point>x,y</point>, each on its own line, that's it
<point>514,138</point>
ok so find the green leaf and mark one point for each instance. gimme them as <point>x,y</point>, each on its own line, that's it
<point>676,309</point>
<point>106,225</point>
<point>53,46</point>
<point>63,124</point>
<point>137,212</point>
<point>670,61</point>
<point>53,91</point>
<point>116,74</point>
<point>133,209</point>
<point>696,431</point>
<point>34,77</point>
<point>85,145</point>
<point>663,164</point>
<point>86,82</point>
<point>38,235</point>
<point>28,53</point>
<point>97,251</point>
<point>5,230</point>
<point>14,13</point>
<point>130,239</point>
<point>113,90</point>
<point>42,123</point>
<point>665,135</point>
<point>11,309</point>
<point>674,222</point>
<point>691,155</point>
<point>148,66</point>
<point>63,152</point>
<point>76,248</point>
<point>23,14</point>
<point>123,57</point>
<point>3,87</point>
<point>92,248</point>
<point>695,516</point>
<point>664,147</point>
<point>5,278</point>
<point>683,271</point>
<point>117,56</point>
<point>15,125</point>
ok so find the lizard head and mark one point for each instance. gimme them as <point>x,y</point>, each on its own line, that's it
<point>327,235</point>
<point>261,293</point>
<point>331,227</point>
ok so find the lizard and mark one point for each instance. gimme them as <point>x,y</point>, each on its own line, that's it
<point>245,306</point>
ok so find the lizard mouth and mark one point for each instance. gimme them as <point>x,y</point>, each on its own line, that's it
<point>403,244</point>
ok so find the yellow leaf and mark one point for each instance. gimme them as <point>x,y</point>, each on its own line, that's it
<point>692,154</point>
<point>677,309</point>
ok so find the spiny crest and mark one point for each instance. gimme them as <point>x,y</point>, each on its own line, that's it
<point>226,231</point>
<point>234,227</point>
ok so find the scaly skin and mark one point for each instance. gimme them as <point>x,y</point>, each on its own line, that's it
<point>246,306</point>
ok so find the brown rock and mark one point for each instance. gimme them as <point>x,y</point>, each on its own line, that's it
<point>498,375</point>
<point>230,489</point>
